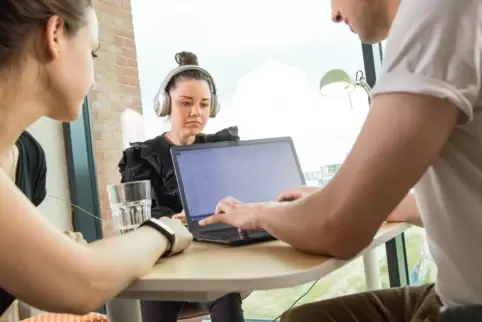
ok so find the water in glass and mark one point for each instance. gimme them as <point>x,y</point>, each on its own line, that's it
<point>130,205</point>
<point>127,216</point>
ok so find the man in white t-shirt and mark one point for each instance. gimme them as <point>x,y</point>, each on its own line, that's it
<point>424,129</point>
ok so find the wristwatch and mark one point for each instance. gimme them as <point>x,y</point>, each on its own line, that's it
<point>165,230</point>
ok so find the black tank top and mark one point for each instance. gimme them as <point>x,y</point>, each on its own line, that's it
<point>31,179</point>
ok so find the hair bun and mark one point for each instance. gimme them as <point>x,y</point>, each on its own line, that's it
<point>186,58</point>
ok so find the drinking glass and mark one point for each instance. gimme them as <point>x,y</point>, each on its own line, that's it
<point>130,204</point>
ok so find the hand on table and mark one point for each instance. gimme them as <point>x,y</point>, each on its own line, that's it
<point>244,216</point>
<point>180,216</point>
<point>183,236</point>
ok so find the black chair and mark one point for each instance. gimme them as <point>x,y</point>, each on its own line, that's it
<point>471,313</point>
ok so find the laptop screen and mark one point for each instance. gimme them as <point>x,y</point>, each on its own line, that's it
<point>250,173</point>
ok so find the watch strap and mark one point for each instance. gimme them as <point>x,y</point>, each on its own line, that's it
<point>161,227</point>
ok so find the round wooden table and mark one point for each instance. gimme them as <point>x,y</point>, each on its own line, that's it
<point>207,271</point>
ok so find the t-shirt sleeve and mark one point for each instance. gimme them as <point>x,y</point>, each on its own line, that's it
<point>434,48</point>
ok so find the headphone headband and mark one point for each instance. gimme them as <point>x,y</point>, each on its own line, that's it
<point>176,71</point>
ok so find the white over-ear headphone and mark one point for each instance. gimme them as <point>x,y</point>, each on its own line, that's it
<point>162,101</point>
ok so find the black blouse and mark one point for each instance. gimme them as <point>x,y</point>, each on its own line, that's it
<point>31,180</point>
<point>151,160</point>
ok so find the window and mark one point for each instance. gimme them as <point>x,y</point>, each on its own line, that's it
<point>267,69</point>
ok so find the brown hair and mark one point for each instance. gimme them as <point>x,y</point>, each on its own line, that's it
<point>187,58</point>
<point>21,19</point>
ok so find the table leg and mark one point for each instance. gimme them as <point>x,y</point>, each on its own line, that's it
<point>121,310</point>
<point>372,270</point>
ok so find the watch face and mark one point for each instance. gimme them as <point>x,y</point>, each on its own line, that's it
<point>165,226</point>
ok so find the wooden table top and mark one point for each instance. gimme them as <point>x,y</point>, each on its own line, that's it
<point>207,267</point>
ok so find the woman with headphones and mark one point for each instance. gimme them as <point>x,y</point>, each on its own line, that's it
<point>188,97</point>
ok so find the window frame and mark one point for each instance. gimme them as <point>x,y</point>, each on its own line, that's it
<point>82,175</point>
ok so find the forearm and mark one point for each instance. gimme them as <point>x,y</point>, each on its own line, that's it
<point>327,219</point>
<point>293,224</point>
<point>406,211</point>
<point>51,272</point>
<point>324,224</point>
<point>119,261</point>
<point>96,273</point>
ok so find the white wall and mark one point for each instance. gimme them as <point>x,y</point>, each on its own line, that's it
<point>49,134</point>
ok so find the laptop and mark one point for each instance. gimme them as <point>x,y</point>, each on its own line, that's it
<point>250,171</point>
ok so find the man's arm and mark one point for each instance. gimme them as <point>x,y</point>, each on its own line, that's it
<point>401,138</point>
<point>431,71</point>
<point>406,211</point>
<point>431,79</point>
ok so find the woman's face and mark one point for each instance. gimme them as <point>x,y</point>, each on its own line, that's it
<point>190,106</point>
<point>70,72</point>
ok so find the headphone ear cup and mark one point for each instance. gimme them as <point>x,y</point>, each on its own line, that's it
<point>165,105</point>
<point>215,107</point>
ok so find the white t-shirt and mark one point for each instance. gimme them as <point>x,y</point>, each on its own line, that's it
<point>435,48</point>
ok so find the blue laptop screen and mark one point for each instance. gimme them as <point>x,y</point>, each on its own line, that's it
<point>249,173</point>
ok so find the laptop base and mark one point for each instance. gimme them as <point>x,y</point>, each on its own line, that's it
<point>245,239</point>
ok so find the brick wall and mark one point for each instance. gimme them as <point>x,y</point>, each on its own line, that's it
<point>117,88</point>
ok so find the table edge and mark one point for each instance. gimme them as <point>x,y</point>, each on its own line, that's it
<point>262,283</point>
